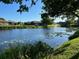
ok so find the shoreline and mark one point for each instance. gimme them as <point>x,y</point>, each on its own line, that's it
<point>5,27</point>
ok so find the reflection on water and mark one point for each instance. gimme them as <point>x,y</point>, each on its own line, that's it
<point>47,33</point>
<point>52,36</point>
<point>71,29</point>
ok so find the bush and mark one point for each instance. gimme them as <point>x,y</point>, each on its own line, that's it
<point>75,35</point>
<point>28,51</point>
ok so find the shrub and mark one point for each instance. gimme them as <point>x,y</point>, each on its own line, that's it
<point>28,51</point>
<point>75,35</point>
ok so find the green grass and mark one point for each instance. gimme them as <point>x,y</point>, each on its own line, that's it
<point>75,35</point>
<point>69,50</point>
<point>6,27</point>
<point>37,51</point>
<point>18,27</point>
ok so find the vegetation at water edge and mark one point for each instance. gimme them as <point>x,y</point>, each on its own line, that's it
<point>37,51</point>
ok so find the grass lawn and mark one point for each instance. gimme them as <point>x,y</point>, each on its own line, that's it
<point>25,26</point>
<point>69,50</point>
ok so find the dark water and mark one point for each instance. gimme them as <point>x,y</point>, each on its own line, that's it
<point>52,36</point>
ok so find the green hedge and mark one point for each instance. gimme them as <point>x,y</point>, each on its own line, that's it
<point>75,35</point>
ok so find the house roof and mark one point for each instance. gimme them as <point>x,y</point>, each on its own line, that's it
<point>2,20</point>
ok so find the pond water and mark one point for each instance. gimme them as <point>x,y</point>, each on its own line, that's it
<point>52,36</point>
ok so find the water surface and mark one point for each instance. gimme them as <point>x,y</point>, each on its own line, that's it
<point>52,36</point>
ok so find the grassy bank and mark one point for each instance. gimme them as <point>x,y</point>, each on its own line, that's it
<point>18,26</point>
<point>36,51</point>
<point>69,50</point>
<point>25,26</point>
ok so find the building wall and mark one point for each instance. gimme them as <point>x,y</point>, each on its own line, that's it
<point>3,22</point>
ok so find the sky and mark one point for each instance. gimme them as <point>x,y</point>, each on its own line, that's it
<point>9,12</point>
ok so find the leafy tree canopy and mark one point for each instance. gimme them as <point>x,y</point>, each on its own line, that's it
<point>46,20</point>
<point>2,19</point>
<point>65,8</point>
<point>54,8</point>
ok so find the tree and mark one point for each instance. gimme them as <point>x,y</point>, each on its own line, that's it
<point>54,8</point>
<point>22,7</point>
<point>71,22</point>
<point>2,19</point>
<point>46,20</point>
<point>65,8</point>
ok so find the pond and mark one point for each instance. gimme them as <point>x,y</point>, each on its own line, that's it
<point>52,36</point>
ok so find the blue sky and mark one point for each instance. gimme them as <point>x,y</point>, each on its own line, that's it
<point>9,12</point>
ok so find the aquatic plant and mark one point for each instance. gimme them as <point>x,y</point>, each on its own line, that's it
<point>27,51</point>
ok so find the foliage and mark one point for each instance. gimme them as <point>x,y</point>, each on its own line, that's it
<point>46,20</point>
<point>71,23</point>
<point>28,51</point>
<point>2,19</point>
<point>22,7</point>
<point>75,35</point>
<point>69,50</point>
<point>7,27</point>
<point>65,8</point>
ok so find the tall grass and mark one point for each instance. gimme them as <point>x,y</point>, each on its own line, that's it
<point>28,51</point>
<point>4,27</point>
<point>18,27</point>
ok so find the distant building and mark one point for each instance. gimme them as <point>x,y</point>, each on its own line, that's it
<point>62,24</point>
<point>3,21</point>
<point>11,23</point>
<point>36,23</point>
